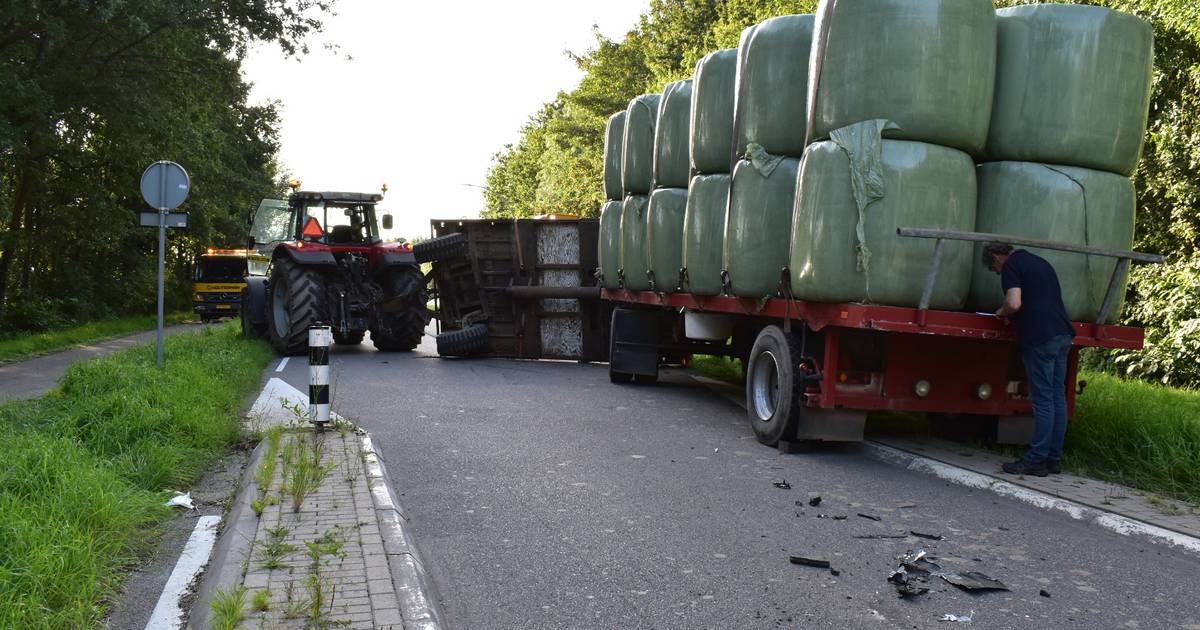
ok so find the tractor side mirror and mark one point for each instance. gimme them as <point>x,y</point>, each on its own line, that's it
<point>251,242</point>
<point>250,215</point>
<point>387,221</point>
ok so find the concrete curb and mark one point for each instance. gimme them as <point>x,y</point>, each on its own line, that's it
<point>420,605</point>
<point>231,554</point>
<point>1107,520</point>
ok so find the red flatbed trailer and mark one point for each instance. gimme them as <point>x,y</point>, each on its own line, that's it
<point>813,370</point>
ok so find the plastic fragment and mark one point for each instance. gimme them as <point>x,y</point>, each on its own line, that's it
<point>1044,593</point>
<point>815,501</point>
<point>958,618</point>
<point>973,581</point>
<point>925,535</point>
<point>868,517</point>
<point>809,562</point>
<point>880,536</point>
<point>181,500</point>
<point>782,484</point>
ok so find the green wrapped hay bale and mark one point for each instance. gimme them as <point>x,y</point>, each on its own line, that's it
<point>704,233</point>
<point>772,85</point>
<point>920,185</point>
<point>1072,86</point>
<point>637,145</point>
<point>671,162</point>
<point>928,65</point>
<point>712,112</point>
<point>759,226</point>
<point>668,206</point>
<point>610,244</point>
<point>614,134</point>
<point>1056,203</point>
<point>634,264</point>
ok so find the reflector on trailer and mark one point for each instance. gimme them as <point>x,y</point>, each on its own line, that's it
<point>312,229</point>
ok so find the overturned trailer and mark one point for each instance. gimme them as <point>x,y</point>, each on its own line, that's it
<point>522,288</point>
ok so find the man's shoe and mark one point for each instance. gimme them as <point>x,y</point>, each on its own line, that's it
<point>1053,466</point>
<point>1025,467</point>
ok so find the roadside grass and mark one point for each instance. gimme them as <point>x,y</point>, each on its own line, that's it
<point>84,471</point>
<point>720,368</point>
<point>1138,434</point>
<point>1142,435</point>
<point>14,347</point>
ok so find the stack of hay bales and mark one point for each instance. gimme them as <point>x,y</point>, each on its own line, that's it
<point>610,214</point>
<point>769,131</point>
<point>1072,97</point>
<point>668,202</point>
<point>904,110</point>
<point>710,150</point>
<point>815,139</point>
<point>637,179</point>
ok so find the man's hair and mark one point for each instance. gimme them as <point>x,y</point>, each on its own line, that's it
<point>992,251</point>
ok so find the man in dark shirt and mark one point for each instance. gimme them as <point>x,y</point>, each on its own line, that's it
<point>1033,298</point>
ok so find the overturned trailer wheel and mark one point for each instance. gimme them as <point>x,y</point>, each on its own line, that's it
<point>464,342</point>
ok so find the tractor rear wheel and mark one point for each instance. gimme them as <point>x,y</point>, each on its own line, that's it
<point>401,330</point>
<point>296,301</point>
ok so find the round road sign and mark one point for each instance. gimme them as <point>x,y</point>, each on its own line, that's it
<point>165,185</point>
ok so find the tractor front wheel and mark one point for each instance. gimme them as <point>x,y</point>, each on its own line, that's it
<point>296,300</point>
<point>400,329</point>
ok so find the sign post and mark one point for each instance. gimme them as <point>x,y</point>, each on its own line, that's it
<point>165,185</point>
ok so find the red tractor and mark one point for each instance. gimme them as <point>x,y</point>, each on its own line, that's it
<point>319,258</point>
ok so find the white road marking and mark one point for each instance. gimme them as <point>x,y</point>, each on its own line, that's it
<point>167,612</point>
<point>282,364</point>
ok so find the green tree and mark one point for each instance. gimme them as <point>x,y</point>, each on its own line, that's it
<point>98,91</point>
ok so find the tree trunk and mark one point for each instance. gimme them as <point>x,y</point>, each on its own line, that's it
<point>13,231</point>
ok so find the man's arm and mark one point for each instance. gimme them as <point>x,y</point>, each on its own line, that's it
<point>1012,302</point>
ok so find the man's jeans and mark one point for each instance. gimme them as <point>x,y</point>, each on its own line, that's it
<point>1046,368</point>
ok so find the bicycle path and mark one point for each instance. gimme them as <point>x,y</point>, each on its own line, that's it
<point>34,377</point>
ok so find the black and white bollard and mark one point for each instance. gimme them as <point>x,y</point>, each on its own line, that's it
<point>320,337</point>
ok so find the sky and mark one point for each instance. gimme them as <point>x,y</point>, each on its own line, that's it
<point>420,96</point>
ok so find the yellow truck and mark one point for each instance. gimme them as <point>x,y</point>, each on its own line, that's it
<point>218,283</point>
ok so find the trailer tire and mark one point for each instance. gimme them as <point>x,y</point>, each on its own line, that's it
<point>462,343</point>
<point>440,248</point>
<point>774,385</point>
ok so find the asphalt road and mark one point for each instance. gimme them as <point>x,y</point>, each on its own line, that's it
<point>545,497</point>
<point>34,377</point>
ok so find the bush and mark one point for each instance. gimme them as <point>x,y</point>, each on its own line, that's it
<point>1167,302</point>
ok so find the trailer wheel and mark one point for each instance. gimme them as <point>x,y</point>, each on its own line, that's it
<point>773,385</point>
<point>441,248</point>
<point>460,343</point>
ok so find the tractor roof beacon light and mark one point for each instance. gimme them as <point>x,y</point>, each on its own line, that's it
<point>312,229</point>
<point>294,184</point>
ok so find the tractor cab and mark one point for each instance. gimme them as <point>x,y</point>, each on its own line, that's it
<point>334,219</point>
